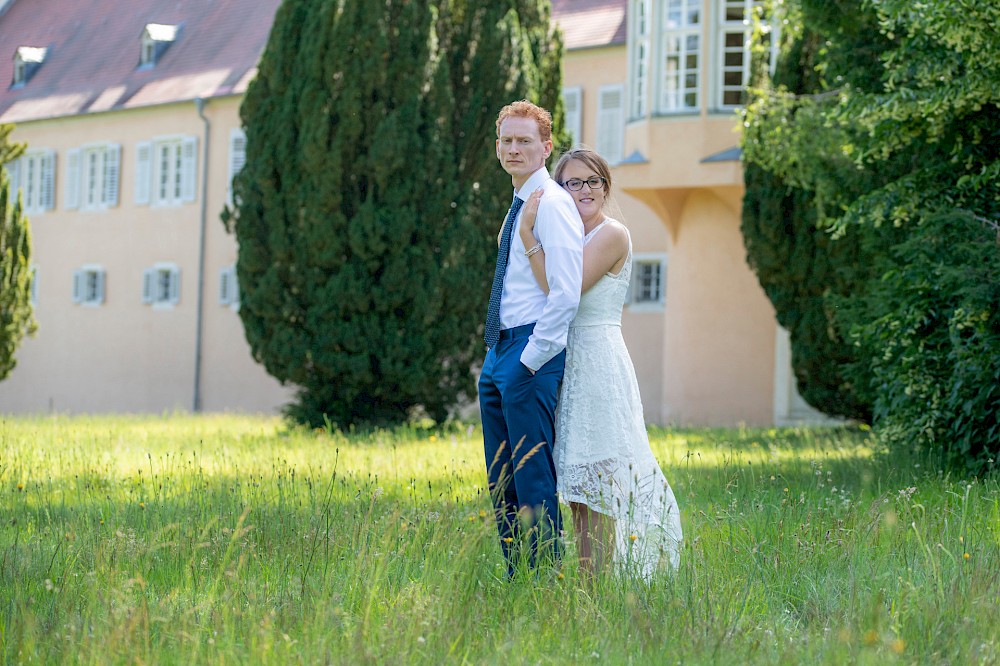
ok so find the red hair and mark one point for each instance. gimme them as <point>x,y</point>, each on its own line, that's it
<point>525,109</point>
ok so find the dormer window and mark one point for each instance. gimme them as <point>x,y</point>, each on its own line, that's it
<point>156,38</point>
<point>27,60</point>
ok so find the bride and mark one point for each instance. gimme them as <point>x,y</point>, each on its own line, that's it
<point>624,512</point>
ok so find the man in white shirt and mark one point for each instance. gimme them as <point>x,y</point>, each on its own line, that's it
<point>526,333</point>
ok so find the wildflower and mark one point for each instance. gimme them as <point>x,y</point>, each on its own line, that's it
<point>20,486</point>
<point>482,513</point>
<point>966,556</point>
<point>142,505</point>
<point>870,637</point>
<point>508,540</point>
<point>433,438</point>
<point>898,646</point>
<point>633,537</point>
<point>560,575</point>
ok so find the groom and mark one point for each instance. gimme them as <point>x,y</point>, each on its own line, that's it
<point>526,333</point>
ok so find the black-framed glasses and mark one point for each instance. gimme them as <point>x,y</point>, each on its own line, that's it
<point>576,184</point>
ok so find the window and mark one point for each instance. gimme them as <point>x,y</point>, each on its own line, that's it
<point>611,123</point>
<point>640,58</point>
<point>166,171</point>
<point>88,285</point>
<point>92,176</point>
<point>647,290</point>
<point>27,60</point>
<point>156,38</point>
<point>681,52</point>
<point>573,101</point>
<point>735,28</point>
<point>35,174</point>
<point>229,287</point>
<point>161,285</point>
<point>237,157</point>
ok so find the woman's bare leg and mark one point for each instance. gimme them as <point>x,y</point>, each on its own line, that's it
<point>595,534</point>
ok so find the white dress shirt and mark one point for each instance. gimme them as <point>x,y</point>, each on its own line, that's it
<point>560,231</point>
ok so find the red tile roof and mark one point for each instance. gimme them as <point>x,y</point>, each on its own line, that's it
<point>94,53</point>
<point>93,56</point>
<point>590,23</point>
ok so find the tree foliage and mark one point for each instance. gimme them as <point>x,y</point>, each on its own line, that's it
<point>16,313</point>
<point>367,211</point>
<point>924,210</point>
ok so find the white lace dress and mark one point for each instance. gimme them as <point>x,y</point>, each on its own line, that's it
<point>602,452</point>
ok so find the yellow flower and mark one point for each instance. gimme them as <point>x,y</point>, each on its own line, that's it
<point>434,438</point>
<point>20,486</point>
<point>633,537</point>
<point>142,505</point>
<point>966,556</point>
<point>870,637</point>
<point>482,514</point>
<point>560,575</point>
<point>898,646</point>
<point>508,540</point>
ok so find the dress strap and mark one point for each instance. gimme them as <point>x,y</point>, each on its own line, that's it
<point>593,232</point>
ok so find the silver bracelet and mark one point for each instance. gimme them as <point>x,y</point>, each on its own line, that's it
<point>535,248</point>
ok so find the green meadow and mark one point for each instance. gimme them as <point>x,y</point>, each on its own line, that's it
<point>233,539</point>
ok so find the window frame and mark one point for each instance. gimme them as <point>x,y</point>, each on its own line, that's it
<point>81,285</point>
<point>669,95</point>
<point>725,27</point>
<point>657,304</point>
<point>229,287</point>
<point>34,173</point>
<point>152,296</point>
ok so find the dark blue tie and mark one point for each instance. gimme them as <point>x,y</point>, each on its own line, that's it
<point>503,255</point>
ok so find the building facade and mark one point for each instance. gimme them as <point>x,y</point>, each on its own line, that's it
<point>130,114</point>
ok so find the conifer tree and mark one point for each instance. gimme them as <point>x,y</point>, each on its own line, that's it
<point>16,313</point>
<point>367,211</point>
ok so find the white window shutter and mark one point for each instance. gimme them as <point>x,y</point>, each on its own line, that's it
<point>47,186</point>
<point>73,178</point>
<point>175,286</point>
<point>14,174</point>
<point>610,123</point>
<point>237,158</point>
<point>100,285</point>
<point>112,171</point>
<point>573,101</point>
<point>77,286</point>
<point>148,276</point>
<point>143,172</point>
<point>224,287</point>
<point>234,293</point>
<point>189,162</point>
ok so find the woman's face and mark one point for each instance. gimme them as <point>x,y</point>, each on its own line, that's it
<point>590,202</point>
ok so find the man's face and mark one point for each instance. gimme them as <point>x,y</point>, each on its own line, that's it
<point>520,148</point>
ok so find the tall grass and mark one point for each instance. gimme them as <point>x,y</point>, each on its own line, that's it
<point>237,540</point>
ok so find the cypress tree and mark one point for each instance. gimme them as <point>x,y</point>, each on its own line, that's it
<point>367,211</point>
<point>16,313</point>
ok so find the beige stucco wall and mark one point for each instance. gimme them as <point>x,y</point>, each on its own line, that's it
<point>124,355</point>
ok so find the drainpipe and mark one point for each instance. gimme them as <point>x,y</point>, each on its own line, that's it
<point>199,104</point>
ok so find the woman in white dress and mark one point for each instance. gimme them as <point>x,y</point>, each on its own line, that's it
<point>624,512</point>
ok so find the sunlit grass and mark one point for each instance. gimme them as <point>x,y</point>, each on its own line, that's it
<point>238,540</point>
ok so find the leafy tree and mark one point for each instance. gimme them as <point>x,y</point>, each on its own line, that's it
<point>16,314</point>
<point>926,323</point>
<point>367,212</point>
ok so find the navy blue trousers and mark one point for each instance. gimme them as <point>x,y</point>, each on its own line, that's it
<point>518,411</point>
